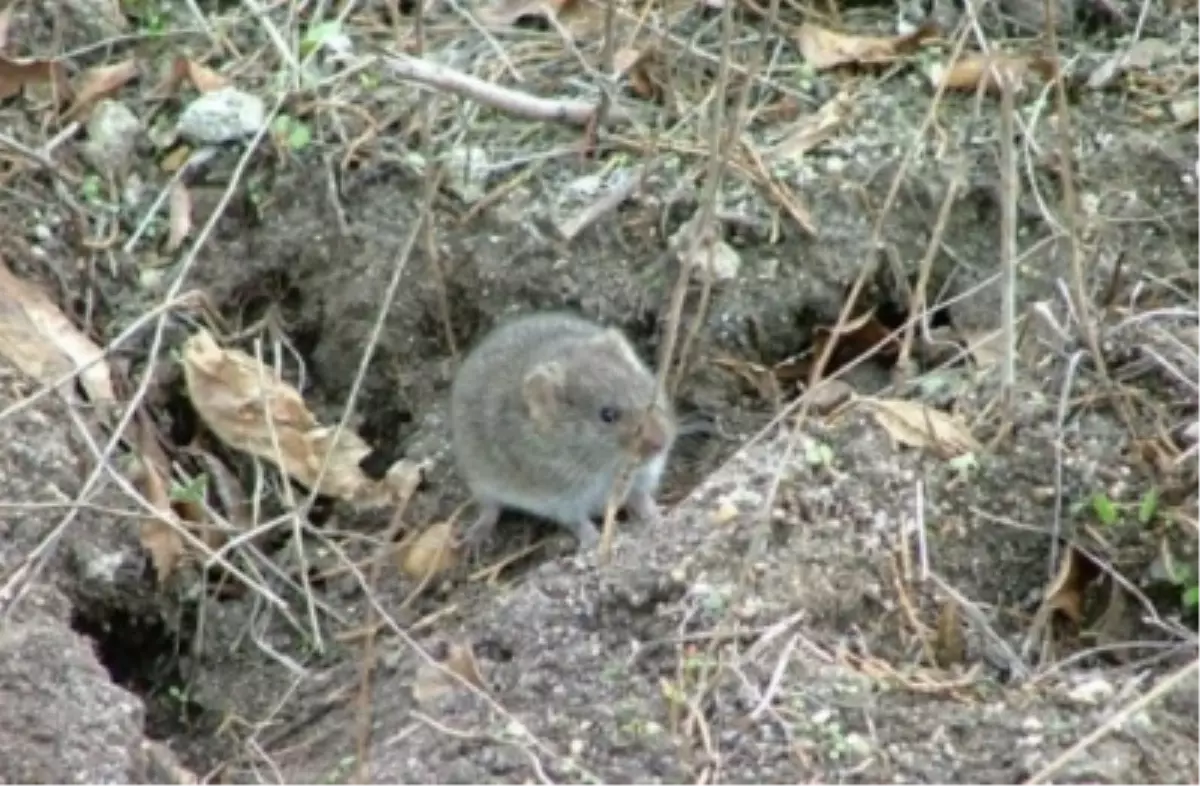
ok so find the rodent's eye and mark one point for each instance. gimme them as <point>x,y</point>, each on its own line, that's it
<point>610,414</point>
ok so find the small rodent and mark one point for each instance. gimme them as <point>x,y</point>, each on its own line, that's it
<point>545,412</point>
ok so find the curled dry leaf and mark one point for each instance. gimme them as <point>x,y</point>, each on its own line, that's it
<point>243,403</point>
<point>432,681</point>
<point>920,426</point>
<point>101,82</point>
<point>973,69</point>
<point>1065,592</point>
<point>811,130</point>
<point>16,73</point>
<point>184,69</point>
<point>180,215</point>
<point>42,342</point>
<point>160,535</point>
<point>824,48</point>
<point>204,78</point>
<point>157,535</point>
<point>430,553</point>
<point>643,69</point>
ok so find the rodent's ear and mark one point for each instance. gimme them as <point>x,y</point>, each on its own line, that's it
<point>610,337</point>
<point>542,390</point>
<point>614,340</point>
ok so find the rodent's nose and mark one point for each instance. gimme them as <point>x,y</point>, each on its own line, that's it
<point>653,435</point>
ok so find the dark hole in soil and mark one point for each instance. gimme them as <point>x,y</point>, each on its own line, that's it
<point>140,655</point>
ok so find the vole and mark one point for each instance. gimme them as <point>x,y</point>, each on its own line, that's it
<point>545,411</point>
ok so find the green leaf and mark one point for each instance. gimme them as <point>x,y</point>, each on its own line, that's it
<point>1105,510</point>
<point>1191,596</point>
<point>300,136</point>
<point>1149,506</point>
<point>193,491</point>
<point>317,35</point>
<point>964,464</point>
<point>818,454</point>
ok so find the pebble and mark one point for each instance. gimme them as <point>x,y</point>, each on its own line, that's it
<point>224,115</point>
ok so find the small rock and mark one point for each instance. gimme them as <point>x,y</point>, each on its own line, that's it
<point>467,172</point>
<point>726,263</point>
<point>1095,691</point>
<point>113,131</point>
<point>222,116</point>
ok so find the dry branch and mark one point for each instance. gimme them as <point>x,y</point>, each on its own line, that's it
<point>571,112</point>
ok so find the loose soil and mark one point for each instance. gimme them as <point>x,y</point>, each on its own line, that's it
<point>824,601</point>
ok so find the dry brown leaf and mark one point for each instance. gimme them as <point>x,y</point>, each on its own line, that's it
<point>5,24</point>
<point>162,540</point>
<point>949,644</point>
<point>15,74</point>
<point>101,82</point>
<point>158,537</point>
<point>643,69</point>
<point>758,376</point>
<point>174,160</point>
<point>1065,591</point>
<point>920,426</point>
<point>814,129</point>
<point>175,74</point>
<point>824,48</point>
<point>42,342</point>
<point>432,681</point>
<point>204,78</point>
<point>432,552</point>
<point>626,58</point>
<point>180,216</point>
<point>241,403</point>
<point>972,69</point>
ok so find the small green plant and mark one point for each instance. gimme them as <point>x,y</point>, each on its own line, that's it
<point>152,20</point>
<point>192,491</point>
<point>292,132</point>
<point>91,188</point>
<point>1105,509</point>
<point>818,454</point>
<point>1111,513</point>
<point>317,35</point>
<point>1184,576</point>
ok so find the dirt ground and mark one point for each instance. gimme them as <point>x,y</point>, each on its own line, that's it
<point>832,596</point>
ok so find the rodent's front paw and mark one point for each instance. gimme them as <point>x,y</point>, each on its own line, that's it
<point>480,532</point>
<point>586,533</point>
<point>644,508</point>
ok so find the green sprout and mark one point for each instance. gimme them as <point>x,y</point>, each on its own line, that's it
<point>296,134</point>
